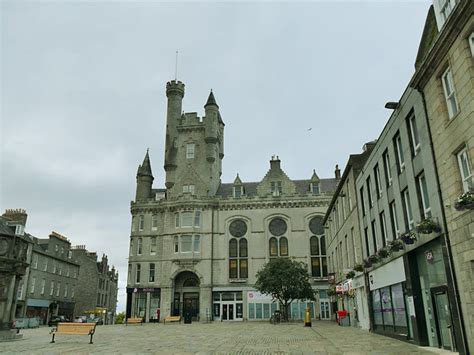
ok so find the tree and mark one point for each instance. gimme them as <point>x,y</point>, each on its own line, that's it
<point>285,280</point>
<point>120,318</point>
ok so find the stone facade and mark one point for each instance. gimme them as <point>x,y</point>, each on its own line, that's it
<point>197,244</point>
<point>447,57</point>
<point>51,286</point>
<point>345,247</point>
<point>97,285</point>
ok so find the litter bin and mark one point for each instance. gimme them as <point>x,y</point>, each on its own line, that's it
<point>187,318</point>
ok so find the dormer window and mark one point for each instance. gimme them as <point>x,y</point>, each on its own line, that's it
<point>238,191</point>
<point>188,189</point>
<point>314,187</point>
<point>19,229</point>
<point>276,188</point>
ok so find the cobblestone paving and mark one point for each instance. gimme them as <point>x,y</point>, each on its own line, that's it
<point>215,338</point>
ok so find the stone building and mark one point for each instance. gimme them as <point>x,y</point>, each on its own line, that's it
<point>344,243</point>
<point>15,252</point>
<point>50,288</point>
<point>97,285</point>
<point>196,245</point>
<point>445,76</point>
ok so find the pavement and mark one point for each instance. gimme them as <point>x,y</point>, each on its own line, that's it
<point>216,338</point>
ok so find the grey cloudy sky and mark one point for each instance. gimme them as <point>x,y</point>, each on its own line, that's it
<point>83,96</point>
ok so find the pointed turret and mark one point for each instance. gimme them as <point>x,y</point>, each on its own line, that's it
<point>237,180</point>
<point>211,100</point>
<point>314,177</point>
<point>144,180</point>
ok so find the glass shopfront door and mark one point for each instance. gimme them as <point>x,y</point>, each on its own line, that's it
<point>191,304</point>
<point>443,317</point>
<point>227,311</point>
<point>324,310</point>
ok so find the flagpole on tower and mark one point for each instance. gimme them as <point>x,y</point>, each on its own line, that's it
<point>176,68</point>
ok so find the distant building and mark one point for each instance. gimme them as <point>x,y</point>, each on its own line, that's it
<point>445,76</point>
<point>196,245</point>
<point>15,251</point>
<point>51,285</point>
<point>345,247</point>
<point>97,285</point>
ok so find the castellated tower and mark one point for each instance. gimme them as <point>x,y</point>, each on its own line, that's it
<point>175,94</point>
<point>194,146</point>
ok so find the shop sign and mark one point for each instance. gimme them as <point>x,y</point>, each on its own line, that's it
<point>388,274</point>
<point>339,288</point>
<point>254,296</point>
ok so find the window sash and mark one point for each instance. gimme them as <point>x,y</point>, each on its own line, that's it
<point>153,245</point>
<point>425,200</point>
<point>186,243</point>
<point>378,184</point>
<point>415,139</point>
<point>401,158</point>
<point>388,172</point>
<point>189,151</point>
<point>154,222</point>
<point>138,274</point>
<point>139,246</point>
<point>408,210</point>
<point>383,229</point>
<point>450,93</point>
<point>151,276</point>
<point>465,171</point>
<point>141,223</point>
<point>393,215</point>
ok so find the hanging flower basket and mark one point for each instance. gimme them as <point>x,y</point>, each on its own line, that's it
<point>374,259</point>
<point>427,226</point>
<point>350,275</point>
<point>367,263</point>
<point>465,201</point>
<point>395,245</point>
<point>358,267</point>
<point>384,253</point>
<point>408,237</point>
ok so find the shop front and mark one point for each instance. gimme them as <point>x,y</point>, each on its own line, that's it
<point>228,306</point>
<point>145,303</point>
<point>389,300</point>
<point>37,308</point>
<point>66,309</point>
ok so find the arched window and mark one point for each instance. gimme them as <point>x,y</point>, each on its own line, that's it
<point>283,246</point>
<point>278,243</point>
<point>273,246</point>
<point>317,246</point>
<point>238,250</point>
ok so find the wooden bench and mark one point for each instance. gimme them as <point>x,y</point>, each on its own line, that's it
<point>74,329</point>
<point>172,319</point>
<point>137,320</point>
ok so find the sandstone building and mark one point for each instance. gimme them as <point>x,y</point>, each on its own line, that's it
<point>196,245</point>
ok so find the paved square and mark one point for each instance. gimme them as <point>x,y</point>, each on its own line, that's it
<point>215,338</point>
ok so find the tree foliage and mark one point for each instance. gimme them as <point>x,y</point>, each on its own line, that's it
<point>120,319</point>
<point>285,280</point>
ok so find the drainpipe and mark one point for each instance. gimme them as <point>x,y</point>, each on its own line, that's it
<point>446,234</point>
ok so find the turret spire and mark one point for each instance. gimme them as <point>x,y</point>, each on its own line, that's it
<point>145,168</point>
<point>211,100</point>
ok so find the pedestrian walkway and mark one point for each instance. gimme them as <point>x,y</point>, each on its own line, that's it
<point>216,338</point>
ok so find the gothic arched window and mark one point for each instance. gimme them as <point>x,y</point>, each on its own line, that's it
<point>278,243</point>
<point>317,246</point>
<point>238,250</point>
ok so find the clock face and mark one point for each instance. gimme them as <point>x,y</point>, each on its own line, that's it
<point>238,228</point>
<point>277,226</point>
<point>3,246</point>
<point>316,225</point>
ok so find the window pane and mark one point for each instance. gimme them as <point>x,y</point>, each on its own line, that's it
<point>176,244</point>
<point>315,267</point>
<point>186,219</point>
<point>233,248</point>
<point>273,247</point>
<point>197,218</point>
<point>176,219</point>
<point>197,243</point>
<point>251,311</point>
<point>314,245</point>
<point>325,266</point>
<point>233,268</point>
<point>283,246</point>
<point>243,269</point>
<point>399,306</point>
<point>186,243</point>
<point>243,247</point>
<point>323,245</point>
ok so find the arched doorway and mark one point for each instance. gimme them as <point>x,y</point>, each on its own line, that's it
<point>186,295</point>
